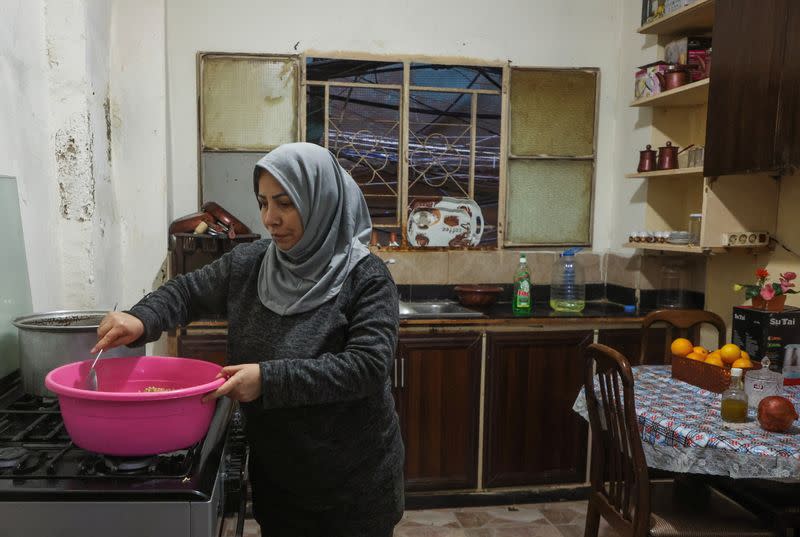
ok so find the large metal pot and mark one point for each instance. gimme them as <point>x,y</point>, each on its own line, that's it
<point>49,340</point>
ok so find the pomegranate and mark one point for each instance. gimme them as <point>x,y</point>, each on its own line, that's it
<point>776,414</point>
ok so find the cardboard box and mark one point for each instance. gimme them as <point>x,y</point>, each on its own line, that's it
<point>774,335</point>
<point>693,51</point>
<point>647,83</point>
<point>671,6</point>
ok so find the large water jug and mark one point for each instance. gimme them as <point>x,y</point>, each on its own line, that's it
<point>567,287</point>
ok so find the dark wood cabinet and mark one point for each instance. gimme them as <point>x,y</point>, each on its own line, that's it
<point>438,395</point>
<point>754,100</point>
<point>203,343</point>
<point>532,435</point>
<point>787,139</point>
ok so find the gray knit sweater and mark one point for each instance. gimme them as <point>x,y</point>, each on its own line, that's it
<point>325,431</point>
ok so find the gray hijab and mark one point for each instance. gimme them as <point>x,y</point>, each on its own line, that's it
<point>336,229</point>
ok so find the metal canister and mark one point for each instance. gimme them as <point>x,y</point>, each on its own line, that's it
<point>49,340</point>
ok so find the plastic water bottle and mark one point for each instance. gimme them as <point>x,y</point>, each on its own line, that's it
<point>567,287</point>
<point>522,301</point>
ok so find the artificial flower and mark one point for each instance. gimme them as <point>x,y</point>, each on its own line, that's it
<point>767,292</point>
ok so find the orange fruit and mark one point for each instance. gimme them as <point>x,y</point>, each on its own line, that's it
<point>716,353</point>
<point>696,356</point>
<point>730,353</point>
<point>681,347</point>
<point>700,350</point>
<point>745,355</point>
<point>715,360</point>
<point>743,363</point>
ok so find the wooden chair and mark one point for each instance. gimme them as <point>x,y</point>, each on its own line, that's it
<point>621,491</point>
<point>680,323</point>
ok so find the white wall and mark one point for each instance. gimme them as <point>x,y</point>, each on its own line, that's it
<point>557,33</point>
<point>633,130</point>
<point>83,120</point>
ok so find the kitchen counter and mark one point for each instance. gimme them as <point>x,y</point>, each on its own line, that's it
<point>595,313</point>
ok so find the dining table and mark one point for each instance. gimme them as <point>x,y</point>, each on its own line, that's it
<point>682,431</point>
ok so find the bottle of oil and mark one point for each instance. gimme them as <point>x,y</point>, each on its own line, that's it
<point>522,303</point>
<point>734,400</point>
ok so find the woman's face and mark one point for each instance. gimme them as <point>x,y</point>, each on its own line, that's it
<point>278,213</point>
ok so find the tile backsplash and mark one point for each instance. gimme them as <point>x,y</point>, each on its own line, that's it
<point>622,271</point>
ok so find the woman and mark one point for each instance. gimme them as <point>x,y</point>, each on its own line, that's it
<point>312,328</point>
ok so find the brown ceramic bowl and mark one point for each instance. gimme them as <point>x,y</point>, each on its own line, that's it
<point>479,296</point>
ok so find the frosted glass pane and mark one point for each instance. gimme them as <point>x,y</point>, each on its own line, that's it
<point>228,180</point>
<point>15,290</point>
<point>249,103</point>
<point>549,202</point>
<point>552,112</point>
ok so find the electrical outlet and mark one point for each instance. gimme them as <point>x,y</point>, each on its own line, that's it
<point>745,239</point>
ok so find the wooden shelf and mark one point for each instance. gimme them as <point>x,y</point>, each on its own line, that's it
<point>694,18</point>
<point>680,172</point>
<point>693,94</point>
<point>666,247</point>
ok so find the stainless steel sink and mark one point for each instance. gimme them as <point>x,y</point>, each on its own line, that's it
<point>440,309</point>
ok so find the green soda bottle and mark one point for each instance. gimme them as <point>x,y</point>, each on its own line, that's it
<point>522,303</point>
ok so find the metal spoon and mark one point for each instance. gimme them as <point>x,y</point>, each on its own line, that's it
<point>91,379</point>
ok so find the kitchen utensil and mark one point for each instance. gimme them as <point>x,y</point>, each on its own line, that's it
<point>226,219</point>
<point>125,420</point>
<point>675,76</point>
<point>91,379</point>
<point>188,223</point>
<point>647,160</point>
<point>668,157</point>
<point>444,222</point>
<point>477,295</point>
<point>48,340</point>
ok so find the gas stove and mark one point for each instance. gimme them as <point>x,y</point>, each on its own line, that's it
<point>50,487</point>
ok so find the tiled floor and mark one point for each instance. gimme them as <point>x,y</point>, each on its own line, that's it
<point>563,519</point>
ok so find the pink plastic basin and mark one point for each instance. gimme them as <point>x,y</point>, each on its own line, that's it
<point>121,419</point>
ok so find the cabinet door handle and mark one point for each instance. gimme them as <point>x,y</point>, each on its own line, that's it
<point>402,372</point>
<point>395,373</point>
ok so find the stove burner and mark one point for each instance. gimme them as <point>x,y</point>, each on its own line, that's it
<point>10,457</point>
<point>127,464</point>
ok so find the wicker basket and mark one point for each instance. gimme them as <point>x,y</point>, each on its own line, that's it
<point>709,377</point>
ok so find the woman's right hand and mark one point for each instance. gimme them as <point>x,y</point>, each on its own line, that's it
<point>117,328</point>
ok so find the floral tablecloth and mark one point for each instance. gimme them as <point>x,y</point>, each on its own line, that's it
<point>682,431</point>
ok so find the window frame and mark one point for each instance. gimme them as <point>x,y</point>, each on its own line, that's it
<point>591,158</point>
<point>406,88</point>
<point>200,57</point>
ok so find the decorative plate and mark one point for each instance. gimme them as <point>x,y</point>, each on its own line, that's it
<point>444,222</point>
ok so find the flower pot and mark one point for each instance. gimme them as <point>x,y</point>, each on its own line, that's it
<point>776,304</point>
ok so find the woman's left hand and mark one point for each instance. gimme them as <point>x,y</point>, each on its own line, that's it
<point>243,384</point>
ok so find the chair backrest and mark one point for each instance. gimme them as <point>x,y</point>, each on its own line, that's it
<point>680,323</point>
<point>620,486</point>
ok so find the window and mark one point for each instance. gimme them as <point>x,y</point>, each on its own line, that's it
<point>551,156</point>
<point>410,132</point>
